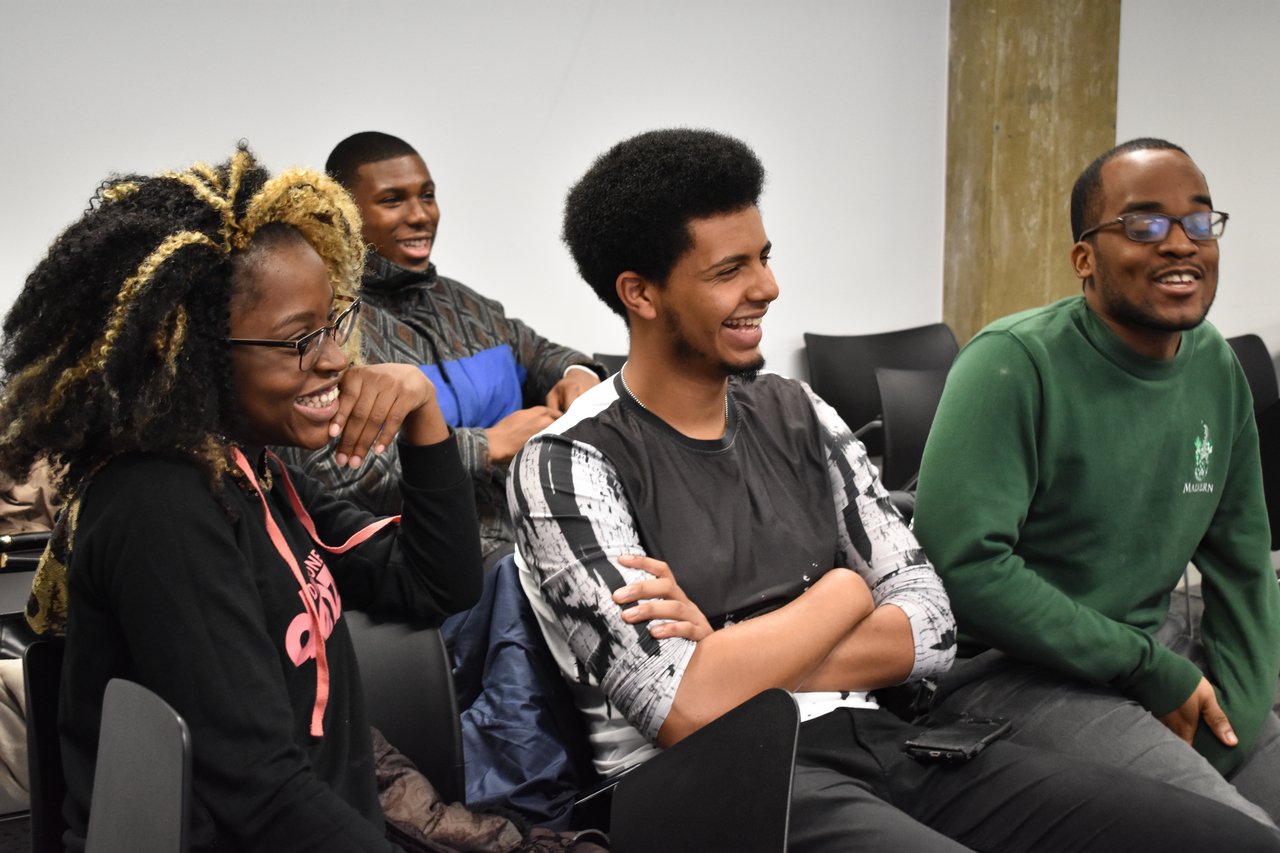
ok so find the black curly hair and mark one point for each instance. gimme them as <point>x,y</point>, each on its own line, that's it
<point>631,210</point>
<point>368,146</point>
<point>116,342</point>
<point>1086,194</point>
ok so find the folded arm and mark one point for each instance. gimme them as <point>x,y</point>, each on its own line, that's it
<point>911,632</point>
<point>778,649</point>
<point>574,524</point>
<point>575,529</point>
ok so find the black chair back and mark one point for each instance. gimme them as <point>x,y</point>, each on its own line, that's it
<point>409,696</point>
<point>142,779</point>
<point>741,767</point>
<point>612,363</point>
<point>1269,450</point>
<point>909,400</point>
<point>1259,370</point>
<point>42,671</point>
<point>1260,373</point>
<point>842,370</point>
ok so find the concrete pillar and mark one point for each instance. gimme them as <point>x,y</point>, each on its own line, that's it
<point>1031,100</point>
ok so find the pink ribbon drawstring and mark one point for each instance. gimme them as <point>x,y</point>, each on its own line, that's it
<point>282,546</point>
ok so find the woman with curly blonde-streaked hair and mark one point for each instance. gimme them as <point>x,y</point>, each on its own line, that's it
<point>185,323</point>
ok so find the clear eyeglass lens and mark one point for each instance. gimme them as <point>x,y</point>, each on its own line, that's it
<point>1214,224</point>
<point>344,324</point>
<point>1146,227</point>
<point>309,349</point>
<point>1153,227</point>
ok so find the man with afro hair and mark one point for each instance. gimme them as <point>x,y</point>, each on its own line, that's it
<point>693,532</point>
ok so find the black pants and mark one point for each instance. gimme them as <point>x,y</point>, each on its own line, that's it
<point>856,790</point>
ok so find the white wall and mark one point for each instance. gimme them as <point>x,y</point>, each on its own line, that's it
<point>1207,76</point>
<point>509,101</point>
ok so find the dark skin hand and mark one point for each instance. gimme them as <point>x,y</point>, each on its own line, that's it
<point>1202,704</point>
<point>570,388</point>
<point>378,400</point>
<point>508,435</point>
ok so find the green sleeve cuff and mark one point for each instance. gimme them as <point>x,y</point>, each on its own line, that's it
<point>1166,684</point>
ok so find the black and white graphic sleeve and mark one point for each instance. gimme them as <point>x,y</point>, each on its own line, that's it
<point>573,521</point>
<point>879,546</point>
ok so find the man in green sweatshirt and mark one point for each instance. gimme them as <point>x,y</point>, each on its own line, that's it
<point>1083,454</point>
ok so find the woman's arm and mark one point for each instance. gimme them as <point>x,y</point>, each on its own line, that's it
<point>432,567</point>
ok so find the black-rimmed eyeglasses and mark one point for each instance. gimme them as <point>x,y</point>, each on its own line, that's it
<point>1143,227</point>
<point>310,345</point>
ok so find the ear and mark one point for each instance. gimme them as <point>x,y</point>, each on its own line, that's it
<point>1082,260</point>
<point>636,293</point>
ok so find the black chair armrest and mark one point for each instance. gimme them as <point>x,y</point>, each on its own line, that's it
<point>867,427</point>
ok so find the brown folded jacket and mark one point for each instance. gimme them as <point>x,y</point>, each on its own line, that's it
<point>28,507</point>
<point>420,822</point>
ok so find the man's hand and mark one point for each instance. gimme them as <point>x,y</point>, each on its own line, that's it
<point>508,435</point>
<point>567,390</point>
<point>661,598</point>
<point>1202,704</point>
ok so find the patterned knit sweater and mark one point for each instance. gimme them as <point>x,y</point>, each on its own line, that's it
<point>484,365</point>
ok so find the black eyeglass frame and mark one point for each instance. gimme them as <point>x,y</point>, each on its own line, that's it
<point>303,344</point>
<point>1219,224</point>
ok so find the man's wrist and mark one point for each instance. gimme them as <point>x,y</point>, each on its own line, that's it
<point>1168,682</point>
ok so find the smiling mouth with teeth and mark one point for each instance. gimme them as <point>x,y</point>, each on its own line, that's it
<point>1177,278</point>
<point>744,324</point>
<point>319,401</point>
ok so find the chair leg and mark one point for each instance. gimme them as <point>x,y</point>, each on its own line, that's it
<point>1186,600</point>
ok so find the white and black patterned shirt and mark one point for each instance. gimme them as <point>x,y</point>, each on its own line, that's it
<point>746,522</point>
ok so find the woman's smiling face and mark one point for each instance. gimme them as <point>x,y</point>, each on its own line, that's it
<point>282,292</point>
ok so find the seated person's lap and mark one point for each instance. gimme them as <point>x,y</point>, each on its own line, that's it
<point>1092,722</point>
<point>855,788</point>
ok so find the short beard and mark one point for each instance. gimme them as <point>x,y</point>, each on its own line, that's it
<point>688,352</point>
<point>746,372</point>
<point>1135,316</point>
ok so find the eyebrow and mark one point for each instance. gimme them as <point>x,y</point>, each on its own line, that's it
<point>303,316</point>
<point>299,317</point>
<point>398,188</point>
<point>1136,206</point>
<point>737,259</point>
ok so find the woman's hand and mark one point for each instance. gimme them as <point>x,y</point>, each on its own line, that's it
<point>661,598</point>
<point>374,401</point>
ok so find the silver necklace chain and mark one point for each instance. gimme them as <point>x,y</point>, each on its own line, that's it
<point>622,374</point>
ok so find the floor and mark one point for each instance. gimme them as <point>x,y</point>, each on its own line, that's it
<point>15,837</point>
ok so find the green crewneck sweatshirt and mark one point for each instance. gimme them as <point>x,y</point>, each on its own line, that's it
<point>1066,484</point>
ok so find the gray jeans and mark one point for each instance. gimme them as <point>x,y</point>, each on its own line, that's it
<point>1054,711</point>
